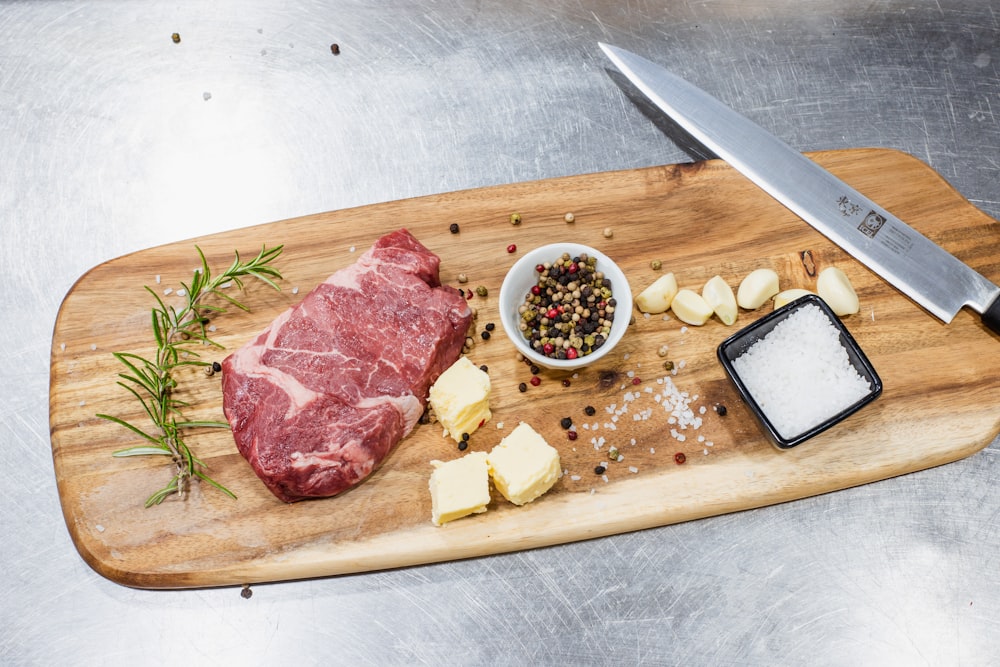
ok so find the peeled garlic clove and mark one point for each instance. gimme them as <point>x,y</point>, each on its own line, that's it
<point>657,297</point>
<point>835,288</point>
<point>786,297</point>
<point>691,308</point>
<point>759,286</point>
<point>719,296</point>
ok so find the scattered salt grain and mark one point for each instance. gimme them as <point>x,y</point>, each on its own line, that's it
<point>605,478</point>
<point>575,478</point>
<point>295,290</point>
<point>499,425</point>
<point>99,528</point>
<point>351,249</point>
<point>93,346</point>
<point>168,291</point>
<point>62,347</point>
<point>633,469</point>
<point>157,278</point>
<point>181,292</point>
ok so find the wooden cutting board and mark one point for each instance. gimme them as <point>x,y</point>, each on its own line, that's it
<point>699,220</point>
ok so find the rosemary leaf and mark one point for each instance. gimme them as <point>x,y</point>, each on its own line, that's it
<point>176,332</point>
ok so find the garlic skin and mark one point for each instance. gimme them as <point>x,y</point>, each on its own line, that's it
<point>657,297</point>
<point>759,286</point>
<point>834,287</point>
<point>691,308</point>
<point>785,297</point>
<point>719,296</point>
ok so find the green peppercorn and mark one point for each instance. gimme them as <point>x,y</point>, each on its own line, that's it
<point>482,291</point>
<point>515,218</point>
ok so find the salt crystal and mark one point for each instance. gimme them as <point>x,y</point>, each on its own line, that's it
<point>295,290</point>
<point>633,469</point>
<point>575,478</point>
<point>169,290</point>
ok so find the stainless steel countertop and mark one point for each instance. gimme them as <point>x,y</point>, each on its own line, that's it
<point>114,139</point>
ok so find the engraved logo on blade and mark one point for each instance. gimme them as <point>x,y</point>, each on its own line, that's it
<point>871,224</point>
<point>847,207</point>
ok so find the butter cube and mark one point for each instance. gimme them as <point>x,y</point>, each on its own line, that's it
<point>461,398</point>
<point>459,488</point>
<point>523,465</point>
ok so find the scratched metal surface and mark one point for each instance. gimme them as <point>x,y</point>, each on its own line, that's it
<point>115,139</point>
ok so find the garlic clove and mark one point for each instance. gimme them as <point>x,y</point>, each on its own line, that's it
<point>785,297</point>
<point>719,296</point>
<point>834,287</point>
<point>690,307</point>
<point>759,286</point>
<point>657,297</point>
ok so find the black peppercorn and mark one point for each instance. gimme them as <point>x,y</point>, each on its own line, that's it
<point>565,422</point>
<point>462,446</point>
<point>453,228</point>
<point>522,387</point>
<point>600,470</point>
<point>589,410</point>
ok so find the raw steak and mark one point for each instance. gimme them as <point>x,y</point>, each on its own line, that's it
<point>321,396</point>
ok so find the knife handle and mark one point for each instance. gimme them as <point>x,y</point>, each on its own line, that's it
<point>991,316</point>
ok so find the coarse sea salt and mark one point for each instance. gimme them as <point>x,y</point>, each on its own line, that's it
<point>799,373</point>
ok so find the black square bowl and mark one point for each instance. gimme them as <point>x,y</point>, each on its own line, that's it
<point>734,346</point>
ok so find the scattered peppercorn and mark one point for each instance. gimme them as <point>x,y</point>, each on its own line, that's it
<point>679,458</point>
<point>462,278</point>
<point>465,437</point>
<point>656,265</point>
<point>600,470</point>
<point>571,435</point>
<point>569,217</point>
<point>209,370</point>
<point>176,37</point>
<point>512,248</point>
<point>482,291</point>
<point>566,422</point>
<point>485,335</point>
<point>246,593</point>
<point>522,387</point>
<point>566,383</point>
<point>535,370</point>
<point>453,228</point>
<point>484,368</point>
<point>462,446</point>
<point>668,365</point>
<point>515,218</point>
<point>490,326</point>
<point>608,233</point>
<point>216,366</point>
<point>589,410</point>
<point>636,380</point>
<point>335,49</point>
<point>720,409</point>
<point>535,380</point>
<point>613,454</point>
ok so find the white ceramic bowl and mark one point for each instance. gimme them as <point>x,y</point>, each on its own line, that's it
<point>522,276</point>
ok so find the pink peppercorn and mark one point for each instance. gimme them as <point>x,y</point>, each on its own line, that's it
<point>571,435</point>
<point>512,248</point>
<point>535,380</point>
<point>636,380</point>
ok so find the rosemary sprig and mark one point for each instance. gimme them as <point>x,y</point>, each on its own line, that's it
<point>178,332</point>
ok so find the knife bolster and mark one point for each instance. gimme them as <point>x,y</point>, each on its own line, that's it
<point>991,316</point>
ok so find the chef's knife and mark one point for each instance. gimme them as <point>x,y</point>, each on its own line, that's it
<point>907,259</point>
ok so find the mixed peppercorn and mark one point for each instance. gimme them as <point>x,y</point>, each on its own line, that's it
<point>569,311</point>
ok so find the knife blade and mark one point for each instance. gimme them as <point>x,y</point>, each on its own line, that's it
<point>924,271</point>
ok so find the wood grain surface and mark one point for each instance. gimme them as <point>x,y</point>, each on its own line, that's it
<point>702,219</point>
